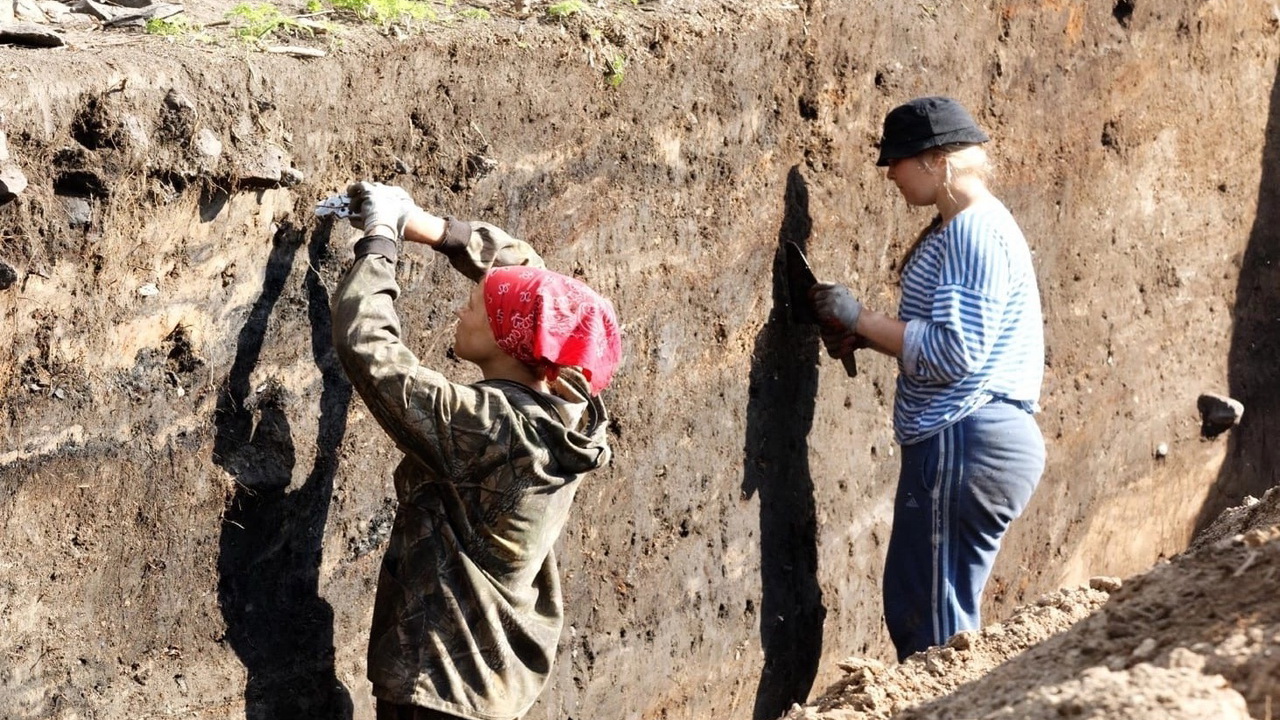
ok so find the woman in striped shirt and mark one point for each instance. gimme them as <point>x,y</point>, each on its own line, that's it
<point>970,349</point>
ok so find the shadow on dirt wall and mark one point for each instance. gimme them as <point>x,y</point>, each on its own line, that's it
<point>270,548</point>
<point>780,407</point>
<point>1253,371</point>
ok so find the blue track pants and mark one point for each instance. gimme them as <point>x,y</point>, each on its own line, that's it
<point>958,492</point>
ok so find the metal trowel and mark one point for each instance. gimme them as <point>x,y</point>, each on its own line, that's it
<point>800,279</point>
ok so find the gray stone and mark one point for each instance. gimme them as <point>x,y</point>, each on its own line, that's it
<point>291,176</point>
<point>6,12</point>
<point>139,17</point>
<point>28,10</point>
<point>79,211</point>
<point>265,169</point>
<point>136,131</point>
<point>54,10</point>
<point>29,35</point>
<point>102,11</point>
<point>76,21</point>
<point>207,144</point>
<point>1105,583</point>
<point>4,147</point>
<point>12,181</point>
<point>178,102</point>
<point>1218,414</point>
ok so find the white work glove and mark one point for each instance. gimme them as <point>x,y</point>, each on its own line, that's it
<point>836,307</point>
<point>374,204</point>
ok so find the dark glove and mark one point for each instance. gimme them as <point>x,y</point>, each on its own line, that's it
<point>836,308</point>
<point>375,204</point>
<point>842,343</point>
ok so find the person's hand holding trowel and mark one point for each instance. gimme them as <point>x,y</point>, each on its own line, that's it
<point>838,313</point>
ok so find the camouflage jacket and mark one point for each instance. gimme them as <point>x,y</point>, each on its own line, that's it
<point>468,609</point>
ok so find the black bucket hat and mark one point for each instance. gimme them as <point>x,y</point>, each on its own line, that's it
<point>923,123</point>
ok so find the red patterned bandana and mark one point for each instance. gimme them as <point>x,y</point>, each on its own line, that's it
<point>546,319</point>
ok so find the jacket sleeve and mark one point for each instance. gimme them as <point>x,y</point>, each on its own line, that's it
<point>474,247</point>
<point>427,416</point>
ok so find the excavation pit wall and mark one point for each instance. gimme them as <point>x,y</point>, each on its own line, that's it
<point>194,504</point>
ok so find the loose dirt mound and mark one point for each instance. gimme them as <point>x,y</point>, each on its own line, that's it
<point>1195,637</point>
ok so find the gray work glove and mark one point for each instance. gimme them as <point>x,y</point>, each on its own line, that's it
<point>841,343</point>
<point>836,307</point>
<point>377,204</point>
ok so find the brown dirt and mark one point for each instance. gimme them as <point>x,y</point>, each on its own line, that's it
<point>1195,637</point>
<point>193,505</point>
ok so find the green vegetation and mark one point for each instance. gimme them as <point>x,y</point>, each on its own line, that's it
<point>169,27</point>
<point>475,14</point>
<point>314,6</point>
<point>258,20</point>
<point>565,9</point>
<point>178,27</point>
<point>386,12</point>
<point>614,70</point>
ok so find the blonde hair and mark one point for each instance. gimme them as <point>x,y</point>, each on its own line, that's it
<point>959,160</point>
<point>963,160</point>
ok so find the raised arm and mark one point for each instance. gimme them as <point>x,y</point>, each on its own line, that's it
<point>472,247</point>
<point>427,415</point>
<point>417,406</point>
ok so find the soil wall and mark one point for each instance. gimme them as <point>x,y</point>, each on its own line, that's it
<point>193,504</point>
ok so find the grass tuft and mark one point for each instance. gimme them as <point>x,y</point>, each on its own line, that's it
<point>169,27</point>
<point>565,9</point>
<point>258,20</point>
<point>386,12</point>
<point>615,69</point>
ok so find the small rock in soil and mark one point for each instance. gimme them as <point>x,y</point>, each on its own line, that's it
<point>8,276</point>
<point>207,144</point>
<point>271,168</point>
<point>1105,584</point>
<point>961,640</point>
<point>79,211</point>
<point>136,131</point>
<point>291,177</point>
<point>1218,414</point>
<point>12,182</point>
<point>1185,658</point>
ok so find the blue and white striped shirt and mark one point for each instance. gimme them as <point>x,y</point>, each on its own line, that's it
<point>974,327</point>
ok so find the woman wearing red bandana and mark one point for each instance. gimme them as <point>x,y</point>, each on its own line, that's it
<point>468,609</point>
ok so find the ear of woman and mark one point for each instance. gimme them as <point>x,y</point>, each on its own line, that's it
<point>931,161</point>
